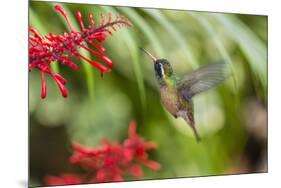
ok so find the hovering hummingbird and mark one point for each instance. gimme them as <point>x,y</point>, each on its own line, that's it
<point>176,94</point>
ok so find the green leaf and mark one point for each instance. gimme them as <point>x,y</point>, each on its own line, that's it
<point>134,52</point>
<point>146,29</point>
<point>179,39</point>
<point>253,48</point>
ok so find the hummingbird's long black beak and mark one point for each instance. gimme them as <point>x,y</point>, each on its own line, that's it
<point>154,59</point>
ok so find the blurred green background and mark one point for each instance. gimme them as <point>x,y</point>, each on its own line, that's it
<point>232,119</point>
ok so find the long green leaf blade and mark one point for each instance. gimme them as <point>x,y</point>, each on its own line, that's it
<point>179,39</point>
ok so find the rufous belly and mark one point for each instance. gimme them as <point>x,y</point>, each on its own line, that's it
<point>170,99</point>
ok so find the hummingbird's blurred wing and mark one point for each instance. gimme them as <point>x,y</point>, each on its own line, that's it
<point>202,79</point>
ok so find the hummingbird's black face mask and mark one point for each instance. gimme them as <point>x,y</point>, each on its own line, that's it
<point>163,68</point>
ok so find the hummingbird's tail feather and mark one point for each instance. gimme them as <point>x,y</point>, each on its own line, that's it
<point>198,138</point>
<point>190,120</point>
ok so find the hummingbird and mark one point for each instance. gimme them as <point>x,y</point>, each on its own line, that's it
<point>176,94</point>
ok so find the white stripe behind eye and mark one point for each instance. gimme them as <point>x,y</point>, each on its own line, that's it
<point>162,71</point>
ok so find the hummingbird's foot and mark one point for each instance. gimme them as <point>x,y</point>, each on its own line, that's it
<point>175,116</point>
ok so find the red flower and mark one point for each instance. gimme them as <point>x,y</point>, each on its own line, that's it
<point>112,161</point>
<point>64,179</point>
<point>139,147</point>
<point>45,50</point>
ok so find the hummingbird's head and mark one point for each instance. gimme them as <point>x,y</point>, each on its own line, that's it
<point>162,67</point>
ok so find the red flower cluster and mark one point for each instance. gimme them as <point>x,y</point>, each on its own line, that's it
<point>44,50</point>
<point>110,162</point>
<point>64,179</point>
